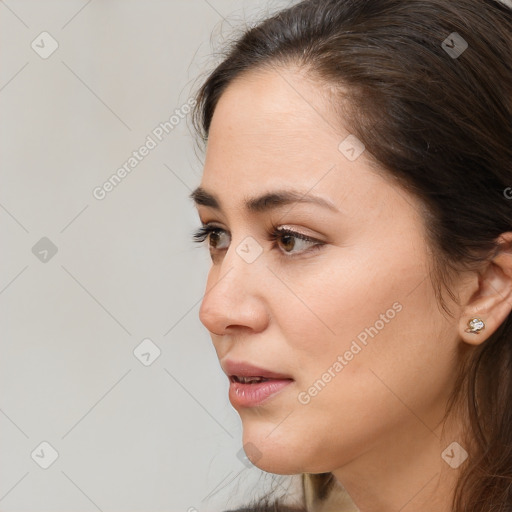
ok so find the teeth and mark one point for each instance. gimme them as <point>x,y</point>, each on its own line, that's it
<point>250,380</point>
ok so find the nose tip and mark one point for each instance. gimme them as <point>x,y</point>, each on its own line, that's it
<point>221,317</point>
<point>234,301</point>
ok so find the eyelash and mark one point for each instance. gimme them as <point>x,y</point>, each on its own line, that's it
<point>202,234</point>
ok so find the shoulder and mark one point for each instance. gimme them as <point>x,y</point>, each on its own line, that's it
<point>268,507</point>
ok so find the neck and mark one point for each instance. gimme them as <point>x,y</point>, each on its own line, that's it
<point>406,472</point>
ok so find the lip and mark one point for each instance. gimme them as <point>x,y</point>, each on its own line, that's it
<point>251,395</point>
<point>244,369</point>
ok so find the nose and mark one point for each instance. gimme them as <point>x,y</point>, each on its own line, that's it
<point>234,298</point>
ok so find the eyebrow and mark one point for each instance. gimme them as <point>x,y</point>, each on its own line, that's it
<point>265,202</point>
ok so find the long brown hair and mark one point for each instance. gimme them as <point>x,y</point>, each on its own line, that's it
<point>428,89</point>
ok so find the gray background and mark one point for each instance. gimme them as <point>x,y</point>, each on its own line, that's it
<point>129,437</point>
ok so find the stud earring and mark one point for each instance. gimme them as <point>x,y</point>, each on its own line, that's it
<point>475,325</point>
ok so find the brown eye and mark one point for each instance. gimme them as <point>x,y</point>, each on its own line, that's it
<point>214,239</point>
<point>218,239</point>
<point>288,242</point>
<point>294,243</point>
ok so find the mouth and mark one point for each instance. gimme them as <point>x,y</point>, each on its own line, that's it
<point>252,380</point>
<point>249,392</point>
<point>251,386</point>
<point>246,373</point>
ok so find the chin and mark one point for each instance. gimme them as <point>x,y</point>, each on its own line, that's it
<point>269,453</point>
<point>276,465</point>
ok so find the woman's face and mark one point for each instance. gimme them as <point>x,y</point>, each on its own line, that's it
<point>351,316</point>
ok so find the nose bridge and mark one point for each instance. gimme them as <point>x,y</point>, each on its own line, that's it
<point>234,278</point>
<point>241,265</point>
<point>234,295</point>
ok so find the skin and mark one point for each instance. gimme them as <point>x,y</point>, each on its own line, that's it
<point>377,425</point>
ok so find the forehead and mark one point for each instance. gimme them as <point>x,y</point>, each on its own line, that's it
<point>272,128</point>
<point>273,107</point>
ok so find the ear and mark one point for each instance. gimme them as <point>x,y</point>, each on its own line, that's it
<point>491,300</point>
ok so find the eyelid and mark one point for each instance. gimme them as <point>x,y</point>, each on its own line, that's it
<point>289,229</point>
<point>273,234</point>
<point>316,243</point>
<point>200,234</point>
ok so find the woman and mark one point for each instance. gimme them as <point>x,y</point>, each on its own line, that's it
<point>356,201</point>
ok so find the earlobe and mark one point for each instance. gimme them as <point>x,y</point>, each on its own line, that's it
<point>474,330</point>
<point>491,302</point>
<point>475,325</point>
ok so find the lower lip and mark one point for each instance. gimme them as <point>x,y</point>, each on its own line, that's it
<point>250,395</point>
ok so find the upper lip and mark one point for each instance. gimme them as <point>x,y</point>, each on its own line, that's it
<point>243,369</point>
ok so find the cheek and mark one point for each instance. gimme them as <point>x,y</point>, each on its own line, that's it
<point>349,296</point>
<point>361,318</point>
